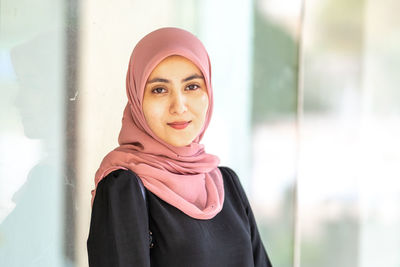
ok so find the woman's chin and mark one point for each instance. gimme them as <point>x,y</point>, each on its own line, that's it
<point>179,142</point>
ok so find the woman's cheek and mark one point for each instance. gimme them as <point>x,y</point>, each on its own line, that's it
<point>157,111</point>
<point>153,111</point>
<point>203,105</point>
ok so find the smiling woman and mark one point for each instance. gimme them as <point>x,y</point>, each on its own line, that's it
<point>160,199</point>
<point>175,108</point>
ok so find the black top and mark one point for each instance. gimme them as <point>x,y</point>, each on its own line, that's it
<point>120,225</point>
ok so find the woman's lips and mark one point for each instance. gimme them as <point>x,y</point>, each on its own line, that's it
<point>179,124</point>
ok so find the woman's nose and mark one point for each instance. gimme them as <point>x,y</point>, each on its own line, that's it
<point>178,104</point>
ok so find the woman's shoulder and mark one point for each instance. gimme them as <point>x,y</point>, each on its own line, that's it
<point>225,170</point>
<point>232,182</point>
<point>121,186</point>
<point>119,175</point>
<point>229,175</point>
<point>120,178</point>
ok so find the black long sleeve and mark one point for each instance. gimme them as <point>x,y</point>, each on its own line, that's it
<point>119,229</point>
<point>119,235</point>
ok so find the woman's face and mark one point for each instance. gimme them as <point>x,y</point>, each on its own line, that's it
<point>175,101</point>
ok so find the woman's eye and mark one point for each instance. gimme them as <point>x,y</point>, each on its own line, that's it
<point>192,87</point>
<point>158,90</point>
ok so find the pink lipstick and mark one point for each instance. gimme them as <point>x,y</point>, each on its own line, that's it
<point>179,124</point>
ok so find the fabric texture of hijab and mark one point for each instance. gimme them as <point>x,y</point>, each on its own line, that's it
<point>185,177</point>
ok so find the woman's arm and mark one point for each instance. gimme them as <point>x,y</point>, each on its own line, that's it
<point>119,232</point>
<point>260,256</point>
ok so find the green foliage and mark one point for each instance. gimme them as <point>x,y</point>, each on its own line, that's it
<point>274,71</point>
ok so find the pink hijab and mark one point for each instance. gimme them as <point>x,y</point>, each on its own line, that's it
<point>185,177</point>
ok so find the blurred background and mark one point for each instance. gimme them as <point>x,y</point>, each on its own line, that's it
<point>307,112</point>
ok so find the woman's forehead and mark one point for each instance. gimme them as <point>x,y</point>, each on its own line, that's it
<point>176,66</point>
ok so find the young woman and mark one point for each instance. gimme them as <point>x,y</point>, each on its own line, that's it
<point>160,199</point>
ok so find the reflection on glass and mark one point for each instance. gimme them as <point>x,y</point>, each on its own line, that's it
<point>31,214</point>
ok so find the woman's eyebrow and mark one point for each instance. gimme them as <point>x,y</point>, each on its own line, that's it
<point>191,77</point>
<point>162,80</point>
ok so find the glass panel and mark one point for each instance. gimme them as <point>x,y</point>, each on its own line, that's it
<point>274,112</point>
<point>32,55</point>
<point>348,179</point>
<point>328,194</point>
<point>379,143</point>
